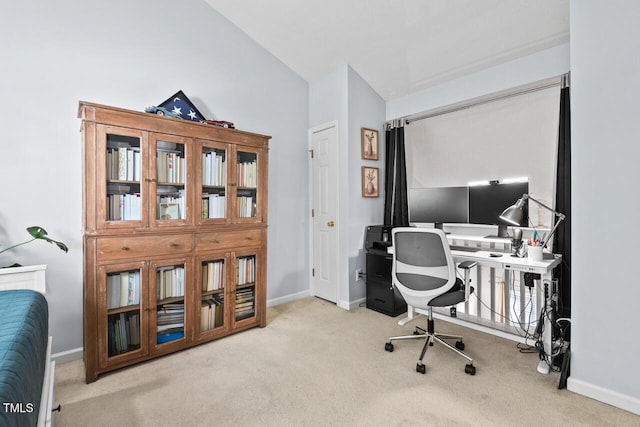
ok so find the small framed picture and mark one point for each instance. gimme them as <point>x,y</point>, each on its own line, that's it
<point>369,141</point>
<point>370,182</point>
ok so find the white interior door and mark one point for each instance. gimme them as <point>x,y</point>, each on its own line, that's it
<point>324,183</point>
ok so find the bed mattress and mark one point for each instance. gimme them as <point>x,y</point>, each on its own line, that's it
<point>24,326</point>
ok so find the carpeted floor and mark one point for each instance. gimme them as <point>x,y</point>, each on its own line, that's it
<point>318,365</point>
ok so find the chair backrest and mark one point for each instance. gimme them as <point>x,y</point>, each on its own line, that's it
<point>423,267</point>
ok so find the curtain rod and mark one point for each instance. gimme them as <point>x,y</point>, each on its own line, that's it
<point>562,81</point>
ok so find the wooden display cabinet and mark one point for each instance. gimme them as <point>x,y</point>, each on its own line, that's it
<point>175,234</point>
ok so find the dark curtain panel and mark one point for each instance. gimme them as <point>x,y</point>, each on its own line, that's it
<point>396,210</point>
<point>562,239</point>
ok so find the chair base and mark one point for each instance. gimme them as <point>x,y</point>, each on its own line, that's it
<point>430,338</point>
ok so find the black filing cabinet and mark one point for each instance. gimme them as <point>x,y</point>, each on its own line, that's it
<point>381,295</point>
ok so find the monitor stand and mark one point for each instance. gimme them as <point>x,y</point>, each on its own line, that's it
<point>439,226</point>
<point>502,233</point>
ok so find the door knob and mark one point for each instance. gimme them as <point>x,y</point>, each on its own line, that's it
<point>331,223</point>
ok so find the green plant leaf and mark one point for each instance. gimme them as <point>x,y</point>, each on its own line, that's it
<point>38,232</point>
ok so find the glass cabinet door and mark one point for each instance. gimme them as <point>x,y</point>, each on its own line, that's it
<point>212,281</point>
<point>169,284</point>
<point>169,169</point>
<point>247,203</point>
<point>245,287</point>
<point>213,170</point>
<point>124,171</point>
<point>124,334</point>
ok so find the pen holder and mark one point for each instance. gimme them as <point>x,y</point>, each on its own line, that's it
<point>534,253</point>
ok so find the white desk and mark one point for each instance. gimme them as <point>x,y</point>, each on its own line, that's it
<point>507,262</point>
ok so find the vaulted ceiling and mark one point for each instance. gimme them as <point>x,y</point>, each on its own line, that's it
<point>399,46</point>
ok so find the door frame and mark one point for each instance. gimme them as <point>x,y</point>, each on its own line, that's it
<point>310,132</point>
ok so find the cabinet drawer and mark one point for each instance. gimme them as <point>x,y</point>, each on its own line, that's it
<point>379,267</point>
<point>135,246</point>
<point>228,239</point>
<point>384,298</point>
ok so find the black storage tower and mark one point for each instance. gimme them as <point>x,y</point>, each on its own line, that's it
<point>381,295</point>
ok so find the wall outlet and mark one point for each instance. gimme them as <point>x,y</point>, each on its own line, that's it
<point>358,274</point>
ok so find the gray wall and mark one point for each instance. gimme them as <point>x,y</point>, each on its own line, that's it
<point>345,97</point>
<point>366,109</point>
<point>606,182</point>
<point>133,54</point>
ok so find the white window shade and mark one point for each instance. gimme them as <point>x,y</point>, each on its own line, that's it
<point>511,137</point>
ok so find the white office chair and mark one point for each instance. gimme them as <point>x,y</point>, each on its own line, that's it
<point>425,274</point>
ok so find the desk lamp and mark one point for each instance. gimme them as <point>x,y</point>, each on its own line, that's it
<point>513,215</point>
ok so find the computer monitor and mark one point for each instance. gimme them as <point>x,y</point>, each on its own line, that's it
<point>438,205</point>
<point>486,203</point>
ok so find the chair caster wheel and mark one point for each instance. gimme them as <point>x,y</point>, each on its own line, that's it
<point>469,369</point>
<point>460,345</point>
<point>389,347</point>
<point>420,368</point>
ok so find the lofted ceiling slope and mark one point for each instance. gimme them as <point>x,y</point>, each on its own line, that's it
<point>403,46</point>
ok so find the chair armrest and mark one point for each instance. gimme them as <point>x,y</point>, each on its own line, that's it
<point>467,264</point>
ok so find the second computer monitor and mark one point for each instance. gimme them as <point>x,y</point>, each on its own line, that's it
<point>439,205</point>
<point>486,203</point>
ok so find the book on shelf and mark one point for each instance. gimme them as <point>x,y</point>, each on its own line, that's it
<point>137,169</point>
<point>123,289</point>
<point>247,174</point>
<point>170,167</point>
<point>211,314</point>
<point>245,313</point>
<point>123,207</point>
<point>246,207</point>
<point>213,205</point>
<point>169,282</point>
<point>123,333</point>
<point>130,167</point>
<point>244,293</point>
<point>111,338</point>
<point>245,272</point>
<point>245,298</point>
<point>170,318</point>
<point>205,206</point>
<point>214,170</point>
<point>240,305</point>
<point>133,328</point>
<point>212,275</point>
<point>122,163</point>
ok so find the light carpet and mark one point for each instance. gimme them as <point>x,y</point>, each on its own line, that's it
<point>318,365</point>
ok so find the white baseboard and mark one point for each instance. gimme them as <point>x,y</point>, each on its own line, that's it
<point>346,305</point>
<point>288,298</point>
<point>619,400</point>
<point>67,356</point>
